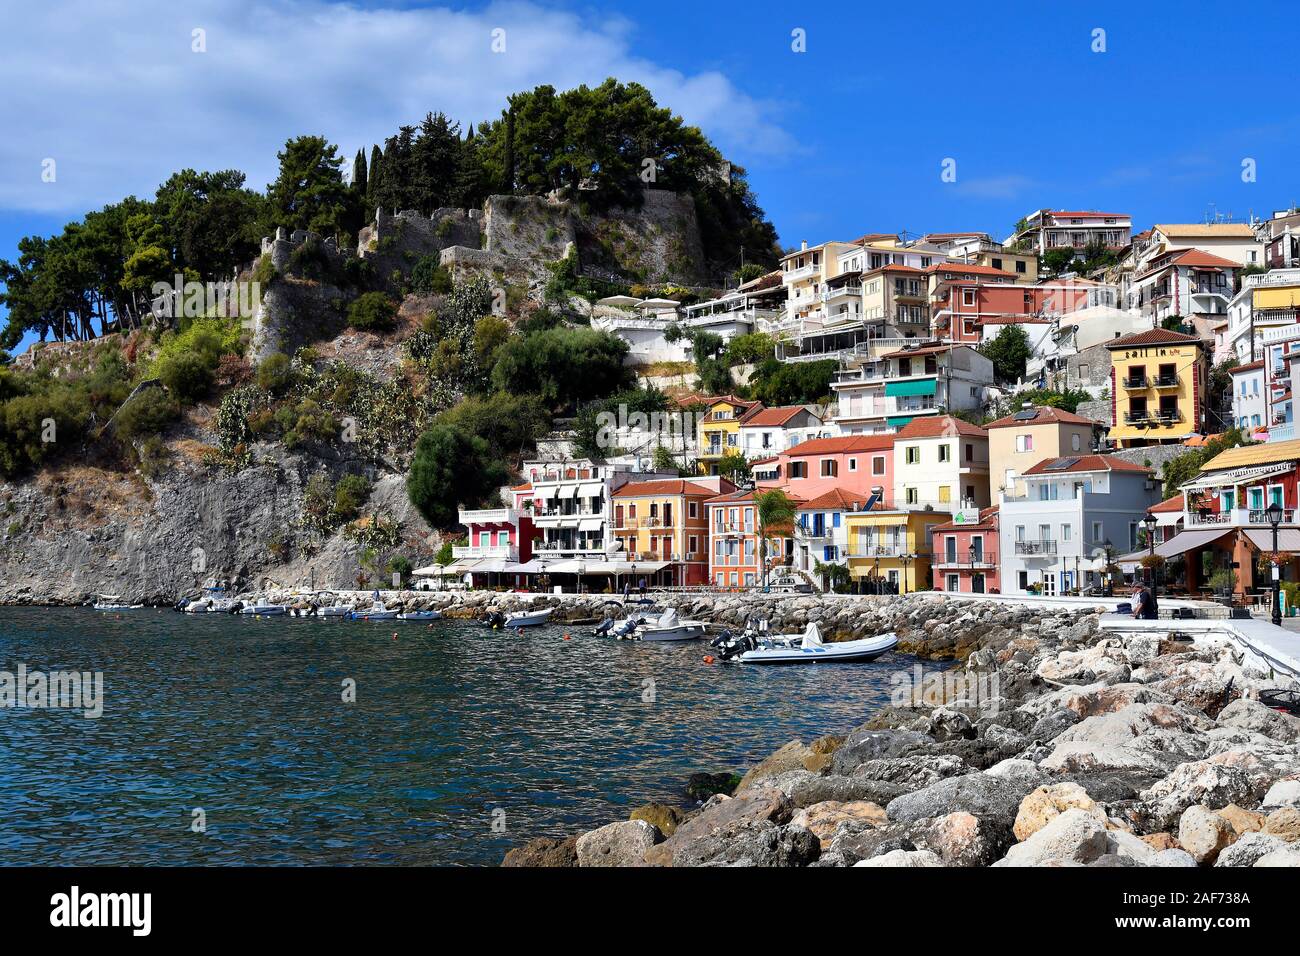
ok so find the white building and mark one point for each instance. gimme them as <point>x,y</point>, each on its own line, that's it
<point>1190,283</point>
<point>884,394</point>
<point>821,534</point>
<point>1267,301</point>
<point>1076,513</point>
<point>1250,398</point>
<point>1047,229</point>
<point>1234,241</point>
<point>941,463</point>
<point>770,431</point>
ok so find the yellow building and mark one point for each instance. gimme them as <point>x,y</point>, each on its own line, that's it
<point>718,431</point>
<point>1158,386</point>
<point>891,550</point>
<point>663,524</point>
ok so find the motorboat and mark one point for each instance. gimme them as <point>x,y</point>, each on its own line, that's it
<point>623,630</point>
<point>756,646</point>
<point>376,613</point>
<point>223,606</point>
<point>197,606</point>
<point>429,615</point>
<point>112,602</point>
<point>528,618</point>
<point>334,610</point>
<point>669,627</point>
<point>264,609</point>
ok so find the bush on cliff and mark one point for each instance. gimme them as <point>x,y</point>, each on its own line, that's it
<point>372,312</point>
<point>151,411</point>
<point>563,366</point>
<point>451,468</point>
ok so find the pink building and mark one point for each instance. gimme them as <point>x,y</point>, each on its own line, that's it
<point>965,556</point>
<point>858,464</point>
<point>499,542</point>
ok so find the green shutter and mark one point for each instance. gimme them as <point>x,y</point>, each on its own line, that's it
<point>913,387</point>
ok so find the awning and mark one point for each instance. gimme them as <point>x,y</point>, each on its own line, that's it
<point>898,422</point>
<point>490,566</point>
<point>590,524</point>
<point>1235,476</point>
<point>566,491</point>
<point>591,489</point>
<point>459,567</point>
<point>924,386</point>
<point>1288,539</point>
<point>1185,541</point>
<point>528,567</point>
<point>606,567</point>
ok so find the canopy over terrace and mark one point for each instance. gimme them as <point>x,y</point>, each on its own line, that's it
<point>600,567</point>
<point>1233,477</point>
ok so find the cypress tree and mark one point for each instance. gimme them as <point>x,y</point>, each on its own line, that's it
<point>508,162</point>
<point>376,177</point>
<point>359,179</point>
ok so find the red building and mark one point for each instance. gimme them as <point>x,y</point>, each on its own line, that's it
<point>965,556</point>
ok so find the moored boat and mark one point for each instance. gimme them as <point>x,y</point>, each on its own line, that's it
<point>264,609</point>
<point>669,627</point>
<point>758,647</point>
<point>527,618</point>
<point>113,602</point>
<point>428,615</point>
<point>376,613</point>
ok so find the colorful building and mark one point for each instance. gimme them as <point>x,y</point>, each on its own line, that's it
<point>1029,436</point>
<point>966,555</point>
<point>719,430</point>
<point>883,394</point>
<point>1158,387</point>
<point>734,554</point>
<point>889,550</point>
<point>861,465</point>
<point>767,431</point>
<point>941,464</point>
<point>499,542</point>
<point>663,524</point>
<point>1046,229</point>
<point>821,534</point>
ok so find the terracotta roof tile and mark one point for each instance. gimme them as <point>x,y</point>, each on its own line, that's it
<point>841,445</point>
<point>662,486</point>
<point>1045,415</point>
<point>772,417</point>
<point>940,426</point>
<point>1085,463</point>
<point>1152,337</point>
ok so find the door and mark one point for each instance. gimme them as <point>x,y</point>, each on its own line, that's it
<point>1049,585</point>
<point>954,583</point>
<point>977,583</point>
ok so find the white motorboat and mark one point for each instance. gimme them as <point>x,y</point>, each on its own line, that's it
<point>264,609</point>
<point>376,613</point>
<point>429,615</point>
<point>197,606</point>
<point>669,627</point>
<point>806,648</point>
<point>221,606</point>
<point>528,618</point>
<point>335,610</point>
<point>112,602</point>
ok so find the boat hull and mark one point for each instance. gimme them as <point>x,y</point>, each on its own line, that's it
<point>682,632</point>
<point>844,652</point>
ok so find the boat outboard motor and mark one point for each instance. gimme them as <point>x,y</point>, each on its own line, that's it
<point>604,627</point>
<point>494,619</point>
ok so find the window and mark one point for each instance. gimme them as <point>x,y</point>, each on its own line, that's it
<point>1022,579</point>
<point>798,469</point>
<point>830,468</point>
<point>945,494</point>
<point>1256,498</point>
<point>967,296</point>
<point>1065,532</point>
<point>878,465</point>
<point>997,264</point>
<point>853,464</point>
<point>1097,536</point>
<point>692,544</point>
<point>910,496</point>
<point>1024,443</point>
<point>1074,442</point>
<point>970,452</point>
<point>1020,266</point>
<point>945,453</point>
<point>912,455</point>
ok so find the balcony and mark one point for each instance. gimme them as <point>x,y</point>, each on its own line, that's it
<point>1036,548</point>
<point>795,275</point>
<point>1235,518</point>
<point>871,552</point>
<point>1167,381</point>
<point>812,534</point>
<point>988,560</point>
<point>1161,417</point>
<point>474,551</point>
<point>488,516</point>
<point>1132,382</point>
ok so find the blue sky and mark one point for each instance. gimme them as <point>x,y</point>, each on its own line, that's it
<point>846,138</point>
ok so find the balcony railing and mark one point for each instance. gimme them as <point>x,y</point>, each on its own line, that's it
<point>488,516</point>
<point>1135,381</point>
<point>462,551</point>
<point>1162,417</point>
<point>965,560</point>
<point>1166,381</point>
<point>1036,547</point>
<point>881,551</point>
<point>1236,517</point>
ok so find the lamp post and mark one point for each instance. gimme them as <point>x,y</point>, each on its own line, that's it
<point>1149,522</point>
<point>904,559</point>
<point>974,555</point>
<point>1274,514</point>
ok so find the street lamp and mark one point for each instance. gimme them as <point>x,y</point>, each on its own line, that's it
<point>904,560</point>
<point>1149,522</point>
<point>1274,514</point>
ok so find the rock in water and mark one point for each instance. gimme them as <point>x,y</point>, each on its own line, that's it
<point>664,818</point>
<point>617,844</point>
<point>544,851</point>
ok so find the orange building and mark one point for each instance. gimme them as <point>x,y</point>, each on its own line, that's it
<point>734,541</point>
<point>663,524</point>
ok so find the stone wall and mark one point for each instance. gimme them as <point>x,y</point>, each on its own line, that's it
<point>658,243</point>
<point>1153,456</point>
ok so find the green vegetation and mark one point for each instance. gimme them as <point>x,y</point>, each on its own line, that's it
<point>429,276</point>
<point>1008,351</point>
<point>450,468</point>
<point>798,383</point>
<point>372,312</point>
<point>563,366</point>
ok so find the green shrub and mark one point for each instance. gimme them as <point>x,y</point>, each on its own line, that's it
<point>151,411</point>
<point>429,276</point>
<point>373,312</point>
<point>186,374</point>
<point>275,374</point>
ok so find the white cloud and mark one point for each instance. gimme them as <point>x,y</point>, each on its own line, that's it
<point>119,100</point>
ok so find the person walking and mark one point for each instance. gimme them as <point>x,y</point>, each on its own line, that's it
<point>1144,603</point>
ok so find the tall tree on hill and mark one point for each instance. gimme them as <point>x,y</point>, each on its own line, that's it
<point>375,174</point>
<point>435,160</point>
<point>309,192</point>
<point>360,179</point>
<point>209,221</point>
<point>395,192</point>
<point>508,157</point>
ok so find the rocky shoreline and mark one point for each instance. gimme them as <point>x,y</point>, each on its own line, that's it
<point>1085,748</point>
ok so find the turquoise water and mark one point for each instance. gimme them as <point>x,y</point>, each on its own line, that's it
<point>462,742</point>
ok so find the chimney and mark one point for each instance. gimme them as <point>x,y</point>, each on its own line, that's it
<point>803,245</point>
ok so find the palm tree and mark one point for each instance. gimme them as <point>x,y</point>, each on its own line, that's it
<point>775,510</point>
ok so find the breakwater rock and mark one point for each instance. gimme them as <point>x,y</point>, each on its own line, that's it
<point>1053,743</point>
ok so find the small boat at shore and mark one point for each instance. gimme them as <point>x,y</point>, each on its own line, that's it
<point>758,647</point>
<point>264,609</point>
<point>429,615</point>
<point>376,613</point>
<point>528,618</point>
<point>669,627</point>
